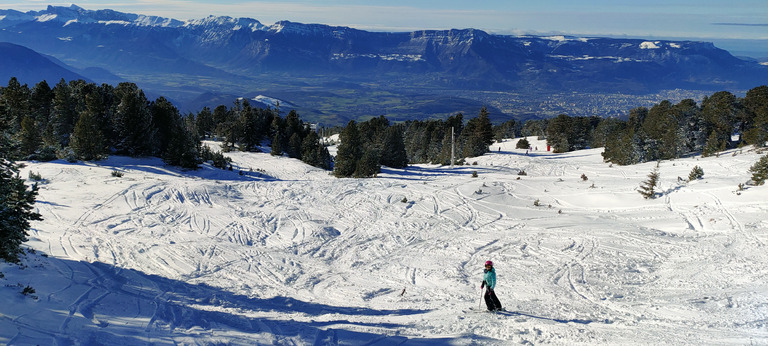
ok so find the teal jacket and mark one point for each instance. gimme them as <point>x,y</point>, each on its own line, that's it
<point>490,278</point>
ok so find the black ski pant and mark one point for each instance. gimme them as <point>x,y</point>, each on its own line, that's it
<point>491,300</point>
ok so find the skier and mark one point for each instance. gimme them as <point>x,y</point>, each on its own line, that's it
<point>489,281</point>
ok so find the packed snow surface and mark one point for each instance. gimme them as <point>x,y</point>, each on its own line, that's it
<point>277,252</point>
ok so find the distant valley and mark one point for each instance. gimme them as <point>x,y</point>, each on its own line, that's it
<point>334,74</point>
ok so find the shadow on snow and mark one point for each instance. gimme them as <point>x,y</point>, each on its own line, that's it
<point>153,165</point>
<point>110,304</point>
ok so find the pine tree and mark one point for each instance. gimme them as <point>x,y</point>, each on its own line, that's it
<point>760,171</point>
<point>696,173</point>
<point>756,105</point>
<point>350,151</point>
<point>204,123</point>
<point>63,114</point>
<point>14,107</point>
<point>221,118</point>
<point>368,165</point>
<point>250,135</point>
<point>647,188</point>
<point>559,131</point>
<point>314,153</point>
<point>607,128</point>
<point>294,145</point>
<point>278,136</point>
<point>87,141</point>
<point>183,147</point>
<point>393,149</point>
<point>477,136</point>
<point>294,125</point>
<point>719,113</point>
<point>623,147</point>
<point>30,139</point>
<point>661,126</point>
<point>14,103</point>
<point>135,132</point>
<point>485,128</point>
<point>165,118</point>
<point>508,129</point>
<point>16,200</point>
<point>40,104</point>
<point>536,128</point>
<point>713,145</point>
<point>16,211</point>
<point>309,149</point>
<point>691,126</point>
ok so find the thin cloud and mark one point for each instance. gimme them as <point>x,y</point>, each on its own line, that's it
<point>741,24</point>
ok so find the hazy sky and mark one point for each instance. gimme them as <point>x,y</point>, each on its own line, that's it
<point>722,19</point>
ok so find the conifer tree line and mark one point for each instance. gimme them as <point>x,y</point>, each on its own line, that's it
<point>368,145</point>
<point>78,120</point>
<point>245,128</point>
<point>665,131</point>
<point>430,141</point>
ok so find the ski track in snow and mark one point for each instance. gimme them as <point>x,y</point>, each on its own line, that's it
<point>291,255</point>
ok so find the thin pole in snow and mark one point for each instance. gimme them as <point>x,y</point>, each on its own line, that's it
<point>453,147</point>
<point>480,303</point>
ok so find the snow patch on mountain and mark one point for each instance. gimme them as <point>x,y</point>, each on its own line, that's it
<point>386,57</point>
<point>46,17</point>
<point>157,21</point>
<point>561,38</point>
<point>650,45</point>
<point>225,21</point>
<point>111,22</point>
<point>272,102</point>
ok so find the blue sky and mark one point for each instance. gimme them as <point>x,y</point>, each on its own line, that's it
<point>720,19</point>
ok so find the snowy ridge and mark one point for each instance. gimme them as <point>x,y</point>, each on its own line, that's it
<point>229,22</point>
<point>468,54</point>
<point>277,252</point>
<point>76,14</point>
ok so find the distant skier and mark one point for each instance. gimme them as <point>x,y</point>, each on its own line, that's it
<point>489,282</point>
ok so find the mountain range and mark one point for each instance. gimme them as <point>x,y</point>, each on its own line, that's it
<point>313,65</point>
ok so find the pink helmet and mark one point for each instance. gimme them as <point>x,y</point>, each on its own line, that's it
<point>489,263</point>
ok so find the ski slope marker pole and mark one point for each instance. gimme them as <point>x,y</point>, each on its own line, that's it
<point>480,303</point>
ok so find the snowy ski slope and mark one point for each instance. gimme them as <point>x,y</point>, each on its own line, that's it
<point>287,254</point>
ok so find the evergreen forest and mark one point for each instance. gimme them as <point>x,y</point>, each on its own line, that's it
<point>78,120</point>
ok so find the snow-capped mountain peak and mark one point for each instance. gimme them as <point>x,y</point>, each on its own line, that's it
<point>226,22</point>
<point>75,14</point>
